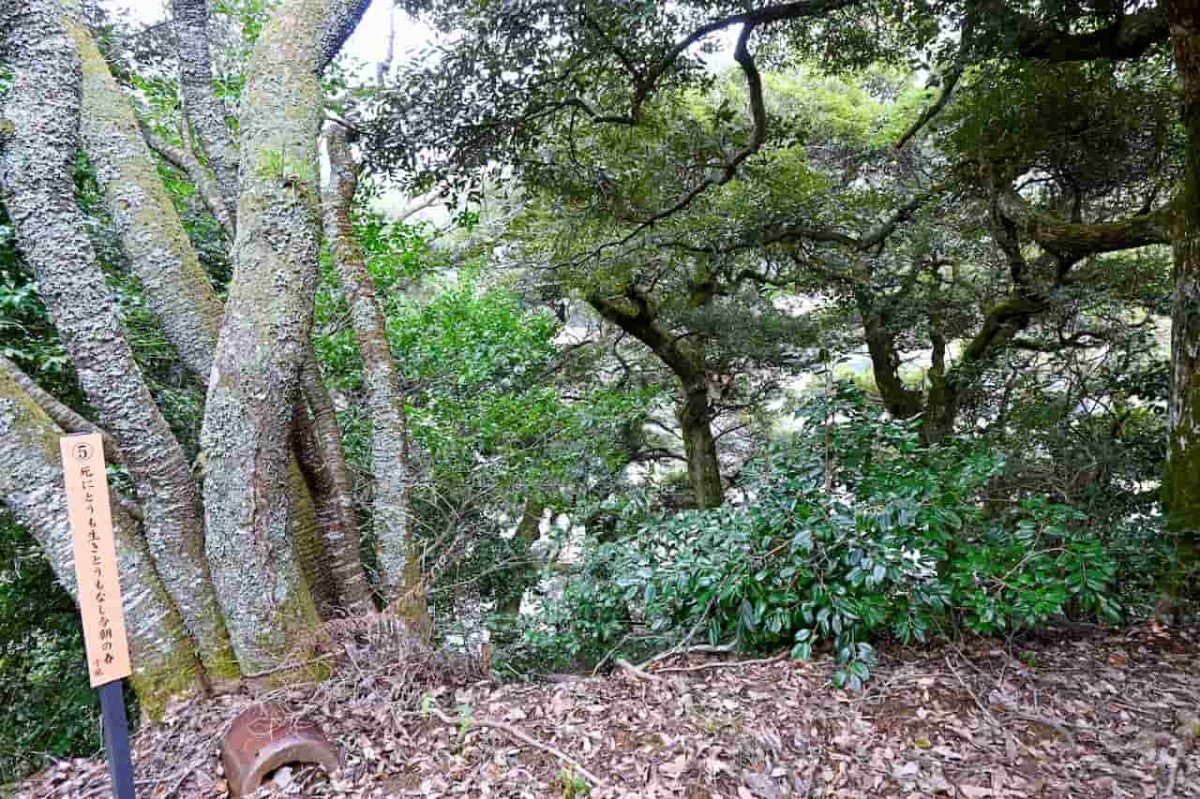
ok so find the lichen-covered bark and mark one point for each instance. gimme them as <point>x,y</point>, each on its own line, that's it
<point>151,233</point>
<point>255,373</point>
<point>42,123</point>
<point>323,462</point>
<point>31,486</point>
<point>66,418</point>
<point>1182,480</point>
<point>398,570</point>
<point>341,17</point>
<point>200,104</point>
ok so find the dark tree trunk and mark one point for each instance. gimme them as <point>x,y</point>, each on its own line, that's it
<point>700,446</point>
<point>1181,486</point>
<point>900,401</point>
<point>635,315</point>
<point>528,530</point>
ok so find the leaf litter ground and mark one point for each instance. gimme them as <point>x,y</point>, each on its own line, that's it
<point>1074,714</point>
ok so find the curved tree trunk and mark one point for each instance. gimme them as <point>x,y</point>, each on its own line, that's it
<point>399,561</point>
<point>900,401</point>
<point>635,316</point>
<point>36,179</point>
<point>255,375</point>
<point>1182,480</point>
<point>31,481</point>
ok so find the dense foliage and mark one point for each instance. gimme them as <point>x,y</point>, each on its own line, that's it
<point>850,530</point>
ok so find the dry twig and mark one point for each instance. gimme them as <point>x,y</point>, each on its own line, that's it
<point>723,664</point>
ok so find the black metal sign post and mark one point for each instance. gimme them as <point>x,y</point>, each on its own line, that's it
<point>116,739</point>
<point>100,606</point>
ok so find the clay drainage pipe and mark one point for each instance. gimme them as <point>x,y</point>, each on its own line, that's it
<point>263,738</point>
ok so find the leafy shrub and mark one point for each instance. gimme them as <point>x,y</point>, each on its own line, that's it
<point>47,708</point>
<point>849,529</point>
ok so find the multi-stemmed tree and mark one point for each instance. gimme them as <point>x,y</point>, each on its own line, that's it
<point>230,574</point>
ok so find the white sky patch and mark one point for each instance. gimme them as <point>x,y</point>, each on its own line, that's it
<point>366,47</point>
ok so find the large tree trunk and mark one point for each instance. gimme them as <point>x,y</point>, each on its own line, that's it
<point>1182,479</point>
<point>399,560</point>
<point>264,337</point>
<point>42,111</point>
<point>31,485</point>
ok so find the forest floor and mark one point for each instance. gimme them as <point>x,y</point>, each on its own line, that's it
<point>1075,714</point>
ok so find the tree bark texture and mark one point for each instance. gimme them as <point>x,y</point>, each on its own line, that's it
<point>36,179</point>
<point>152,235</point>
<point>323,461</point>
<point>202,108</point>
<point>700,446</point>
<point>399,570</point>
<point>177,289</point>
<point>255,375</point>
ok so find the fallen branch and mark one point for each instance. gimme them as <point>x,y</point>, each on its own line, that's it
<point>723,664</point>
<point>987,713</point>
<point>525,738</point>
<point>683,649</point>
<point>636,671</point>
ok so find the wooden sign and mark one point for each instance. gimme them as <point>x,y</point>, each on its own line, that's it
<point>95,558</point>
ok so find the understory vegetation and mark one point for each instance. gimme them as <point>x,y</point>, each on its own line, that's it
<point>847,331</point>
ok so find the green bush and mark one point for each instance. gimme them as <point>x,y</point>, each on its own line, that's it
<point>848,530</point>
<point>47,708</point>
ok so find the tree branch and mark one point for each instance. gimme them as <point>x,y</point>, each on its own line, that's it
<point>183,159</point>
<point>949,81</point>
<point>1128,37</point>
<point>1075,240</point>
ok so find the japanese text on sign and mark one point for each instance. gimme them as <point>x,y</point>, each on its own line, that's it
<point>95,558</point>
